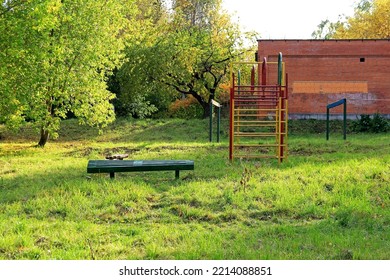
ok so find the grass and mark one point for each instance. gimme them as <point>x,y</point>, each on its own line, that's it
<point>330,200</point>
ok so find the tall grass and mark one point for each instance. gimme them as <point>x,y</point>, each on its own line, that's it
<point>330,200</point>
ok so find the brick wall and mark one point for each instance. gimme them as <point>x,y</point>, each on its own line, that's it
<point>323,71</point>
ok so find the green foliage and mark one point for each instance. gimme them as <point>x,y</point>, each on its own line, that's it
<point>370,21</point>
<point>188,53</point>
<point>139,94</point>
<point>376,124</point>
<point>363,124</point>
<point>326,29</point>
<point>138,107</point>
<point>57,55</point>
<point>187,108</point>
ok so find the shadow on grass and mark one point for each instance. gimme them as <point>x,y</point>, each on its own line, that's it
<point>171,224</point>
<point>123,130</point>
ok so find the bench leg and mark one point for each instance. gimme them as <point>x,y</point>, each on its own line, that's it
<point>177,174</point>
<point>112,175</point>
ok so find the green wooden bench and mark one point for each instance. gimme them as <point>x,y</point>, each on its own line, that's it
<point>112,166</point>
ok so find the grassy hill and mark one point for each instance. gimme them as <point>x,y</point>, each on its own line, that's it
<point>330,200</point>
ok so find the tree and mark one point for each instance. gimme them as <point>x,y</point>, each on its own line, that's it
<point>202,43</point>
<point>326,29</point>
<point>371,20</point>
<point>196,12</point>
<point>190,52</point>
<point>138,95</point>
<point>56,55</point>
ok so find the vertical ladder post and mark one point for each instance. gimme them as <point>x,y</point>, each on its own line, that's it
<point>253,79</point>
<point>279,112</point>
<point>231,119</point>
<point>280,69</point>
<point>264,72</point>
<point>282,117</point>
<point>238,112</point>
<point>263,81</point>
<point>280,107</point>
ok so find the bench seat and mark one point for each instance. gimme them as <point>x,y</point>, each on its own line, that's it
<point>112,166</point>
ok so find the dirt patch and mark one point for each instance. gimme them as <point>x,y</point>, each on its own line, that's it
<point>120,150</point>
<point>84,152</point>
<point>87,151</point>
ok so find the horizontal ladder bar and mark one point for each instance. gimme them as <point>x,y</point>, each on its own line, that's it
<point>256,122</point>
<point>257,134</point>
<point>256,110</point>
<point>258,145</point>
<point>258,156</point>
<point>254,115</point>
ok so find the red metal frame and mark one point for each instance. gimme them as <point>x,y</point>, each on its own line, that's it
<point>262,97</point>
<point>231,120</point>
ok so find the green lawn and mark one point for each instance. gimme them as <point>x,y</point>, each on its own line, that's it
<point>330,200</point>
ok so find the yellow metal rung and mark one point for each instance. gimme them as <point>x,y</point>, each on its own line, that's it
<point>254,126</point>
<point>257,115</point>
<point>254,134</point>
<point>255,156</point>
<point>256,122</point>
<point>256,145</point>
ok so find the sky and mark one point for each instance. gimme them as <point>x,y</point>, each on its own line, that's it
<point>286,19</point>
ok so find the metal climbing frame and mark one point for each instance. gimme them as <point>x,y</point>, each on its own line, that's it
<point>259,111</point>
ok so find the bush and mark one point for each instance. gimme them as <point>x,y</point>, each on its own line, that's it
<point>379,124</point>
<point>138,107</point>
<point>187,108</point>
<point>376,124</point>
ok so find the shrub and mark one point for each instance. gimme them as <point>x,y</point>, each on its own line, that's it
<point>138,107</point>
<point>187,108</point>
<point>376,124</point>
<point>379,124</point>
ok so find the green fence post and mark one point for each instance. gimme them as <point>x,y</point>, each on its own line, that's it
<point>327,123</point>
<point>218,124</point>
<point>345,119</point>
<point>211,122</point>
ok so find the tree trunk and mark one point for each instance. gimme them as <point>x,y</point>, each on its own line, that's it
<point>205,105</point>
<point>206,110</point>
<point>44,137</point>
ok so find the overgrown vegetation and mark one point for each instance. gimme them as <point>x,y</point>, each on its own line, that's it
<point>374,124</point>
<point>330,200</point>
<point>65,58</point>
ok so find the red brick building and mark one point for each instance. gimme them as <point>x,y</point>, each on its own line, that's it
<point>324,71</point>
